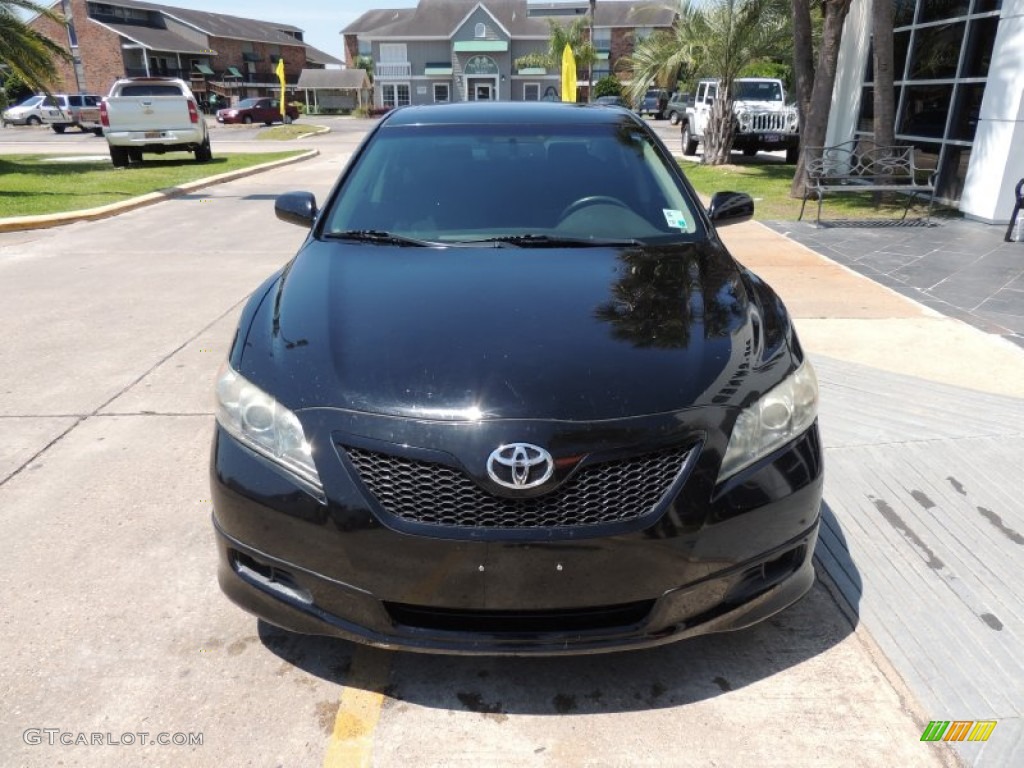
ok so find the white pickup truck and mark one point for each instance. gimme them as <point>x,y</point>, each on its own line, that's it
<point>153,114</point>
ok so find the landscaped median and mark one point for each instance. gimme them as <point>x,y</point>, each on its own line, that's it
<point>48,190</point>
<point>290,132</point>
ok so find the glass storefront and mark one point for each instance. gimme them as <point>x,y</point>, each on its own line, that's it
<point>942,50</point>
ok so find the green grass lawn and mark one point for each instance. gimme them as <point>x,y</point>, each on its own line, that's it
<point>769,183</point>
<point>42,184</point>
<point>287,132</point>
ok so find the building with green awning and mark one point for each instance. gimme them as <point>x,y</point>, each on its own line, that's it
<point>467,50</point>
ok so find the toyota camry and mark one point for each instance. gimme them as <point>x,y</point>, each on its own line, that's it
<point>514,396</point>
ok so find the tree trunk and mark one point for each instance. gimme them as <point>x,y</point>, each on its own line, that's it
<point>814,130</point>
<point>803,57</point>
<point>885,96</point>
<point>719,131</point>
<point>883,123</point>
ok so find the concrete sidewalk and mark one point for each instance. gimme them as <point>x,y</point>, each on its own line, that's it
<point>923,422</point>
<point>961,268</point>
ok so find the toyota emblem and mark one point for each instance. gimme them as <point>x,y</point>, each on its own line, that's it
<point>520,466</point>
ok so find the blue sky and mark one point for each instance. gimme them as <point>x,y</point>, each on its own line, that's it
<point>322,20</point>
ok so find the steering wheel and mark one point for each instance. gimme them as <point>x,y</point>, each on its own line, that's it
<point>586,202</point>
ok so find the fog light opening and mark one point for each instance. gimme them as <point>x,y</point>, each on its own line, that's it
<point>272,579</point>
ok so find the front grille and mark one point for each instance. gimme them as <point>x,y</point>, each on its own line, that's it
<point>498,622</point>
<point>760,122</point>
<point>435,494</point>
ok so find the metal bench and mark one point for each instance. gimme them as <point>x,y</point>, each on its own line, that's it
<point>862,166</point>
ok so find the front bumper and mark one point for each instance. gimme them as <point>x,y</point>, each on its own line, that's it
<point>767,140</point>
<point>707,560</point>
<point>289,598</point>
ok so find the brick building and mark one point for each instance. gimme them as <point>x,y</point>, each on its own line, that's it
<point>466,50</point>
<point>229,56</point>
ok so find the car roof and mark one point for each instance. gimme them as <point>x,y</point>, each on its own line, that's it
<point>497,112</point>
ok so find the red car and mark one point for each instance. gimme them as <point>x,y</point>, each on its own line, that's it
<point>264,110</point>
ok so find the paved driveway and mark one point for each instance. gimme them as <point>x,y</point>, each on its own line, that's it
<point>113,625</point>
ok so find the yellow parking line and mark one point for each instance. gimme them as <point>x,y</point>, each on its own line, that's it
<point>351,743</point>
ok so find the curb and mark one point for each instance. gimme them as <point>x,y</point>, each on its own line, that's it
<point>22,223</point>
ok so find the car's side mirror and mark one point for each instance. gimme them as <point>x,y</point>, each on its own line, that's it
<point>730,208</point>
<point>296,208</point>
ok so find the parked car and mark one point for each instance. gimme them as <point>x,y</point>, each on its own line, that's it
<point>263,110</point>
<point>547,415</point>
<point>74,110</point>
<point>654,103</point>
<point>30,111</point>
<point>611,101</point>
<point>675,110</point>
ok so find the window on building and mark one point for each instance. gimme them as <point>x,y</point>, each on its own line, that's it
<point>942,55</point>
<point>394,94</point>
<point>72,36</point>
<point>393,53</point>
<point>948,9</point>
<point>903,12</point>
<point>603,38</point>
<point>480,30</point>
<point>442,93</point>
<point>531,91</point>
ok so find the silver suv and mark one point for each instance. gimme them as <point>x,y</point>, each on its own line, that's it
<point>78,110</point>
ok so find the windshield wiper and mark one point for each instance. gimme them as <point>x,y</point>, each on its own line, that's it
<point>378,236</point>
<point>552,241</point>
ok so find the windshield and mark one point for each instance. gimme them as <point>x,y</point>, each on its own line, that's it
<point>247,103</point>
<point>466,183</point>
<point>756,91</point>
<point>33,101</point>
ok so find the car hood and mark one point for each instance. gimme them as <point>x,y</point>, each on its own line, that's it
<point>577,334</point>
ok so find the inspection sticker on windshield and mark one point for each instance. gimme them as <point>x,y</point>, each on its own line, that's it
<point>674,218</point>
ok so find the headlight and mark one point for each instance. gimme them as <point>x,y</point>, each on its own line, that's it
<point>778,417</point>
<point>256,419</point>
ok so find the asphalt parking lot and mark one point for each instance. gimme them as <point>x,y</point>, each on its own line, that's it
<point>114,626</point>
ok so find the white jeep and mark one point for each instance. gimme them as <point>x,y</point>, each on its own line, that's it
<point>763,120</point>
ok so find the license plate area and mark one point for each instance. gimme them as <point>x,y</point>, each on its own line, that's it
<point>152,134</point>
<point>772,138</point>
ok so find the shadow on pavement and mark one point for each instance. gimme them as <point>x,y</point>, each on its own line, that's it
<point>874,223</point>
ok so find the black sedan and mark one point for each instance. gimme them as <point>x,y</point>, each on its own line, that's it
<point>513,396</point>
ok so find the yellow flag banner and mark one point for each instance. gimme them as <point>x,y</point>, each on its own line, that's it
<point>568,75</point>
<point>279,71</point>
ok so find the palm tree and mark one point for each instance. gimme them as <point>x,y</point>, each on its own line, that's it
<point>26,52</point>
<point>814,128</point>
<point>576,35</point>
<point>717,38</point>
